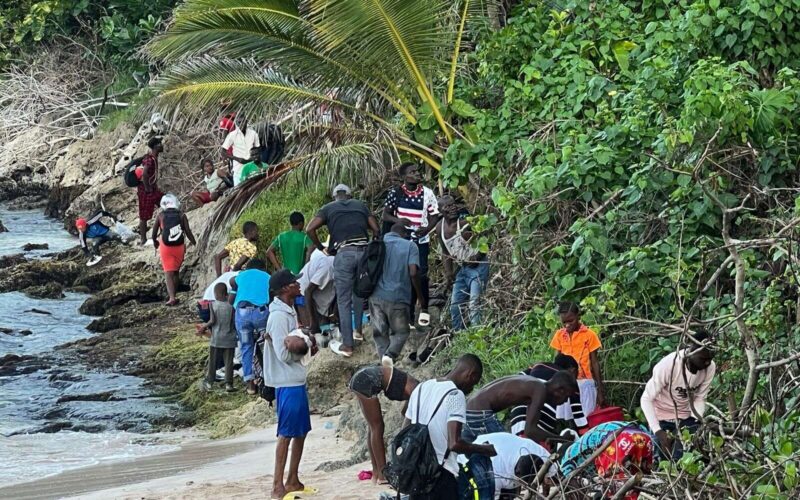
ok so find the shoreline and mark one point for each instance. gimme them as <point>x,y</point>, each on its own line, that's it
<point>238,467</point>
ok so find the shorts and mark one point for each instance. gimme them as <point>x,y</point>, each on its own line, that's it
<point>148,202</point>
<point>397,385</point>
<point>171,257</point>
<point>480,422</point>
<point>367,381</point>
<point>204,197</point>
<point>294,415</point>
<point>300,301</point>
<point>203,310</point>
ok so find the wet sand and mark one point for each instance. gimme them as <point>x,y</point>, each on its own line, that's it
<point>237,468</point>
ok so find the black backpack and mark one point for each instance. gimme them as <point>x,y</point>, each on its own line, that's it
<point>266,392</point>
<point>370,268</point>
<point>129,172</point>
<point>413,466</point>
<point>171,229</point>
<point>272,142</point>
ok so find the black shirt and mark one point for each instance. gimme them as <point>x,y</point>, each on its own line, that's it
<point>346,221</point>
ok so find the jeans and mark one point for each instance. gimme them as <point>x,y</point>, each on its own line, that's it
<point>98,241</point>
<point>480,422</point>
<point>250,323</point>
<point>345,266</point>
<point>691,424</point>
<point>422,272</point>
<point>390,328</point>
<point>446,488</point>
<point>467,289</point>
<point>476,476</point>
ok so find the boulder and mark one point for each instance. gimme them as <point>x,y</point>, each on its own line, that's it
<point>35,246</point>
<point>31,202</point>
<point>39,272</point>
<point>142,288</point>
<point>51,290</point>
<point>25,333</point>
<point>2,227</point>
<point>11,260</point>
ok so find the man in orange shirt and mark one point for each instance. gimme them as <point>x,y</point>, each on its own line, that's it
<point>579,341</point>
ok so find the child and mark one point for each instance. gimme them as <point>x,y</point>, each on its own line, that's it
<point>579,341</point>
<point>223,337</point>
<point>214,181</point>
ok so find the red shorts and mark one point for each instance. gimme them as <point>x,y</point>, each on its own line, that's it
<point>171,257</point>
<point>204,197</point>
<point>148,202</point>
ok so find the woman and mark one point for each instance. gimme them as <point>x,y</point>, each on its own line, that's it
<point>366,384</point>
<point>173,227</point>
<point>214,181</point>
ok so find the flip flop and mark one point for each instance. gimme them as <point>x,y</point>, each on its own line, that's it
<point>307,492</point>
<point>335,346</point>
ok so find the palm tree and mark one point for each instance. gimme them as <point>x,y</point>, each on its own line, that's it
<point>359,81</point>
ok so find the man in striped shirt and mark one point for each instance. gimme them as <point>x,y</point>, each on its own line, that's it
<point>414,206</point>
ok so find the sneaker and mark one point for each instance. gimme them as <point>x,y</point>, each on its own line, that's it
<point>387,362</point>
<point>358,335</point>
<point>220,375</point>
<point>229,388</point>
<point>205,385</point>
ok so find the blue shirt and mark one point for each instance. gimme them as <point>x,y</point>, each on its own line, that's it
<point>252,286</point>
<point>395,282</point>
<point>96,230</point>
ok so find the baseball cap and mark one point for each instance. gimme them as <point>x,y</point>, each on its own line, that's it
<point>80,223</point>
<point>282,278</point>
<point>341,187</point>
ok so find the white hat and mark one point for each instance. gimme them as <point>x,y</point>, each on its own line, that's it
<point>168,201</point>
<point>339,188</point>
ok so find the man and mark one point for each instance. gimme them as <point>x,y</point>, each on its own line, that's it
<point>94,228</point>
<point>470,280</point>
<point>507,392</point>
<point>675,396</point>
<point>318,289</point>
<point>240,250</point>
<point>444,424</point>
<point>253,167</point>
<point>415,207</point>
<point>293,245</point>
<point>242,140</point>
<point>147,191</point>
<point>367,383</point>
<point>582,343</point>
<point>285,371</point>
<point>250,297</point>
<point>518,459</point>
<point>348,221</point>
<point>389,303</point>
<point>548,419</point>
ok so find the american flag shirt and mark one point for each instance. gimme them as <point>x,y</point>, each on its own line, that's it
<point>415,206</point>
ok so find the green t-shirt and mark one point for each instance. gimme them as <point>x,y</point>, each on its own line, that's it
<point>292,246</point>
<point>249,169</point>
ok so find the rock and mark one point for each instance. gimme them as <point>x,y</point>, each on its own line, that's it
<point>100,396</point>
<point>35,246</point>
<point>2,227</point>
<point>60,198</point>
<point>5,330</point>
<point>32,202</point>
<point>145,288</point>
<point>39,311</point>
<point>12,365</point>
<point>63,376</point>
<point>81,289</point>
<point>49,291</point>
<point>39,272</point>
<point>11,260</point>
<point>25,333</point>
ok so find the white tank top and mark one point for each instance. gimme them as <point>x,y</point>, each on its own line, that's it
<point>458,247</point>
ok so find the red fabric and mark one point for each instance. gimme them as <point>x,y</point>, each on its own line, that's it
<point>227,122</point>
<point>204,197</point>
<point>148,202</point>
<point>171,257</point>
<point>631,452</point>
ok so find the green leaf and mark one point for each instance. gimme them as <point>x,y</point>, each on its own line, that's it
<point>463,109</point>
<point>568,282</point>
<point>713,4</point>
<point>621,50</point>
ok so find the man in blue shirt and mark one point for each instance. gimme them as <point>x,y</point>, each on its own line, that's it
<point>390,302</point>
<point>250,297</point>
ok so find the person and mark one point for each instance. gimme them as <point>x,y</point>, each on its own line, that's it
<point>284,370</point>
<point>214,182</point>
<point>441,403</point>
<point>253,167</point>
<point>414,206</point>
<point>250,296</point>
<point>147,191</point>
<point>173,226</point>
<point>223,338</point>
<point>675,396</point>
<point>95,229</point>
<point>367,383</point>
<point>630,451</point>
<point>209,296</point>
<point>390,301</point>
<point>240,250</point>
<point>318,289</point>
<point>348,222</point>
<point>242,140</point>
<point>294,245</point>
<point>582,343</point>
<point>517,460</point>
<point>507,392</point>
<point>473,274</point>
<point>548,420</point>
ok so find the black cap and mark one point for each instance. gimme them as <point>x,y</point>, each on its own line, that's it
<point>282,278</point>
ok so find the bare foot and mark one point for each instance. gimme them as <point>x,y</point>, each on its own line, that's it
<point>278,491</point>
<point>379,479</point>
<point>297,486</point>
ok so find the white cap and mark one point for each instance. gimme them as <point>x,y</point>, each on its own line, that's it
<point>339,188</point>
<point>168,201</point>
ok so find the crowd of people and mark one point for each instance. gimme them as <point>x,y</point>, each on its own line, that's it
<point>270,316</point>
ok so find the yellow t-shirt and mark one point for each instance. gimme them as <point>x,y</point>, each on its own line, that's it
<point>578,345</point>
<point>238,248</point>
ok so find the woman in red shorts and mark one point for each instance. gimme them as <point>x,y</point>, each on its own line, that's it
<point>174,229</point>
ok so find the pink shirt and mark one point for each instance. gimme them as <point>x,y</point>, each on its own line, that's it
<point>668,391</point>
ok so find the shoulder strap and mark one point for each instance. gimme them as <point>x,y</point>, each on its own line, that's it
<point>440,404</point>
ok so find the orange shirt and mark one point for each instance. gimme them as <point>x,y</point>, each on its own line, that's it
<point>578,345</point>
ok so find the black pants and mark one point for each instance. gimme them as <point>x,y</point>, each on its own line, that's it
<point>446,488</point>
<point>214,355</point>
<point>424,282</point>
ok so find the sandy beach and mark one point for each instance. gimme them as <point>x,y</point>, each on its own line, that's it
<point>239,468</point>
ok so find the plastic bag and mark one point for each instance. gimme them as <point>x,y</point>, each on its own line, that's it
<point>124,232</point>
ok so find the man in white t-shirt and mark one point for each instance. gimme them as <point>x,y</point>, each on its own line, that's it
<point>317,287</point>
<point>242,139</point>
<point>444,426</point>
<point>518,459</point>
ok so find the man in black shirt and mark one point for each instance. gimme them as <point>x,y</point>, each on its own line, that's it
<point>348,222</point>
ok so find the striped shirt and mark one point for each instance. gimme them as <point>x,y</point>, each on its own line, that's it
<point>415,206</point>
<point>547,416</point>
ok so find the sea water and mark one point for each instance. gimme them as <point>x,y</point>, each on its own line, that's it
<point>35,405</point>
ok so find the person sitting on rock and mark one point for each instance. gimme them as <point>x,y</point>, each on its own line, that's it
<point>508,392</point>
<point>93,228</point>
<point>214,182</point>
<point>366,384</point>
